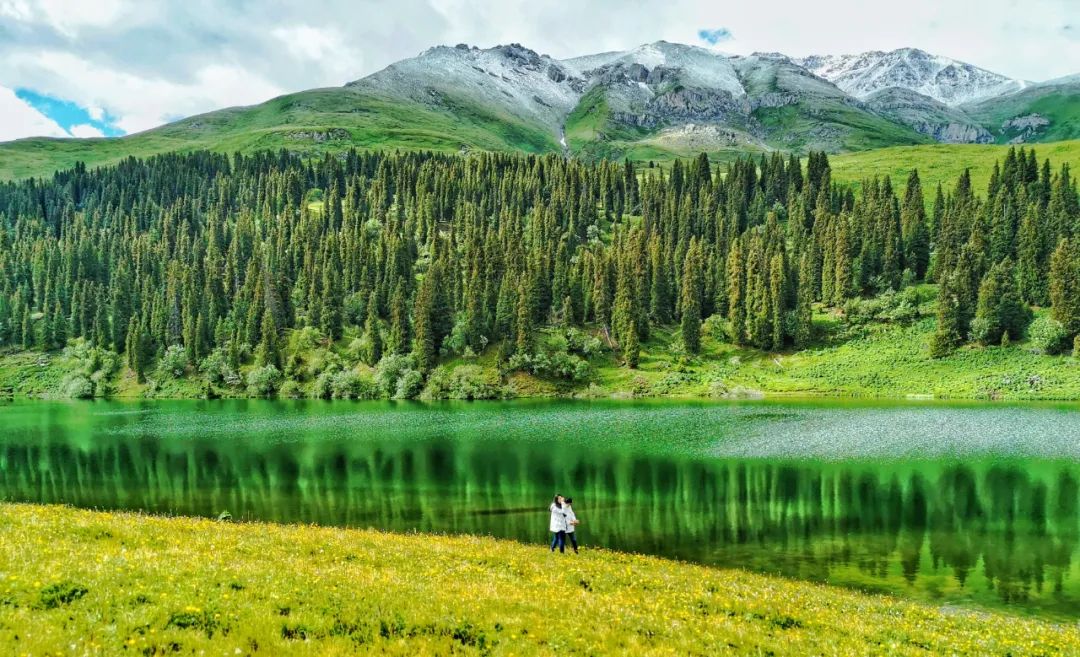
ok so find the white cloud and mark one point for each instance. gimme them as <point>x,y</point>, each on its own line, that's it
<point>66,16</point>
<point>18,119</point>
<point>141,103</point>
<point>85,130</point>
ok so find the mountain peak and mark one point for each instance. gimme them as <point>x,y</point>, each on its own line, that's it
<point>944,79</point>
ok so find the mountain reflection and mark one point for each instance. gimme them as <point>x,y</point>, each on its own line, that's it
<point>989,532</point>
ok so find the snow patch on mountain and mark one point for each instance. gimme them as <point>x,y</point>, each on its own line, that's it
<point>946,80</point>
<point>697,67</point>
<point>511,77</point>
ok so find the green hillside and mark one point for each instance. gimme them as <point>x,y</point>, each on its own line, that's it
<point>1055,108</point>
<point>941,162</point>
<point>309,122</point>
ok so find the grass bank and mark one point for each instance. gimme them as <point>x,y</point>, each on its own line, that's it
<point>83,582</point>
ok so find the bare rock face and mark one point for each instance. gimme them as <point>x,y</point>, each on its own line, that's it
<point>928,116</point>
<point>320,136</point>
<point>1028,122</point>
<point>955,133</point>
<point>774,99</point>
<point>1026,127</point>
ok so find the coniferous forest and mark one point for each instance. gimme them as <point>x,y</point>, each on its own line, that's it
<point>230,266</point>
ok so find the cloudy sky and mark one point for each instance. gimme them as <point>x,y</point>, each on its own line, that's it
<point>88,68</point>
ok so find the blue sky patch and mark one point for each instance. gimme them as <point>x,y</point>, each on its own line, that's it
<point>68,114</point>
<point>713,37</point>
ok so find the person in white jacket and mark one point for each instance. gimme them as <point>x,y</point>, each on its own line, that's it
<point>571,522</point>
<point>557,525</point>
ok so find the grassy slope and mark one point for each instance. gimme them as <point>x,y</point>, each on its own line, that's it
<point>942,162</point>
<point>286,122</point>
<point>1059,104</point>
<point>105,583</point>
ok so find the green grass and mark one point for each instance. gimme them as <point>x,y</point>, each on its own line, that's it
<point>942,162</point>
<point>1058,104</point>
<point>83,582</point>
<point>347,118</point>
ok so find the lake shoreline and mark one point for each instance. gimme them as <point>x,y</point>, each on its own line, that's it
<point>206,585</point>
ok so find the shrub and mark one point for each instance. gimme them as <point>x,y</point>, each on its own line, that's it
<point>324,386</point>
<point>58,595</point>
<point>583,344</point>
<point>174,362</point>
<point>409,385</point>
<point>348,384</point>
<point>1047,336</point>
<point>1076,346</point>
<point>358,349</point>
<point>76,386</point>
<point>215,367</point>
<point>263,381</point>
<point>389,370</point>
<point>304,339</point>
<point>90,372</point>
<point>715,326</point>
<point>559,364</point>
<point>290,389</point>
<point>464,382</point>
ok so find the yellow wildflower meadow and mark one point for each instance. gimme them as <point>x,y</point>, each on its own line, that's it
<point>76,582</point>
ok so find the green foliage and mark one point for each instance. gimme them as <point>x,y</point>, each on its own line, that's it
<point>1000,309</point>
<point>1047,335</point>
<point>396,378</point>
<point>60,594</point>
<point>462,382</point>
<point>89,370</point>
<point>174,362</point>
<point>263,381</point>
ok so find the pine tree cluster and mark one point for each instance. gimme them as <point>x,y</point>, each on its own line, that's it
<point>424,254</point>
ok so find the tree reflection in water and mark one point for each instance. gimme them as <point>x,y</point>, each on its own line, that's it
<point>990,532</point>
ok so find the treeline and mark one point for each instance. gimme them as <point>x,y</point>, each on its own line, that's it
<point>209,258</point>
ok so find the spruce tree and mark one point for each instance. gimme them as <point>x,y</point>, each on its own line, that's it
<point>373,332</point>
<point>690,302</point>
<point>1064,284</point>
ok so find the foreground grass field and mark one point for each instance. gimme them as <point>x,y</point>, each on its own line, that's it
<point>78,582</point>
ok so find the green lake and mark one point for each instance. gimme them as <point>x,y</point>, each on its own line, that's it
<point>958,504</point>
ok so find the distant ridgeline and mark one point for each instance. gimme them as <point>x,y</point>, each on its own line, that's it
<point>230,265</point>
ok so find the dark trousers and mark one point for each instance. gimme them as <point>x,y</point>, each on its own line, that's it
<point>573,539</point>
<point>558,538</point>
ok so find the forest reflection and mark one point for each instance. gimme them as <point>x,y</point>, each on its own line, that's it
<point>994,532</point>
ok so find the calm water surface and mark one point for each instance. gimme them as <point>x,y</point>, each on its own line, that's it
<point>957,504</point>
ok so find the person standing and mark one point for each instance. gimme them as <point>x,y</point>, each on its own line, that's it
<point>558,525</point>
<point>571,522</point>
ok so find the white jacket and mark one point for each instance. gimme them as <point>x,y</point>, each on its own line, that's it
<point>558,518</point>
<point>570,516</point>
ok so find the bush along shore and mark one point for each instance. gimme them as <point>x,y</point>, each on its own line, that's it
<point>83,582</point>
<point>878,347</point>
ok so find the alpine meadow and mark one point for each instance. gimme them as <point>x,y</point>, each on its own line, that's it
<point>658,350</point>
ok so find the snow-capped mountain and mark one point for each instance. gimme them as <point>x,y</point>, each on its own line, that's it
<point>674,92</point>
<point>513,78</point>
<point>699,67</point>
<point>946,80</point>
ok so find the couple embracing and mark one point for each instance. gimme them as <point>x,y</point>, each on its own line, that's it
<point>563,523</point>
